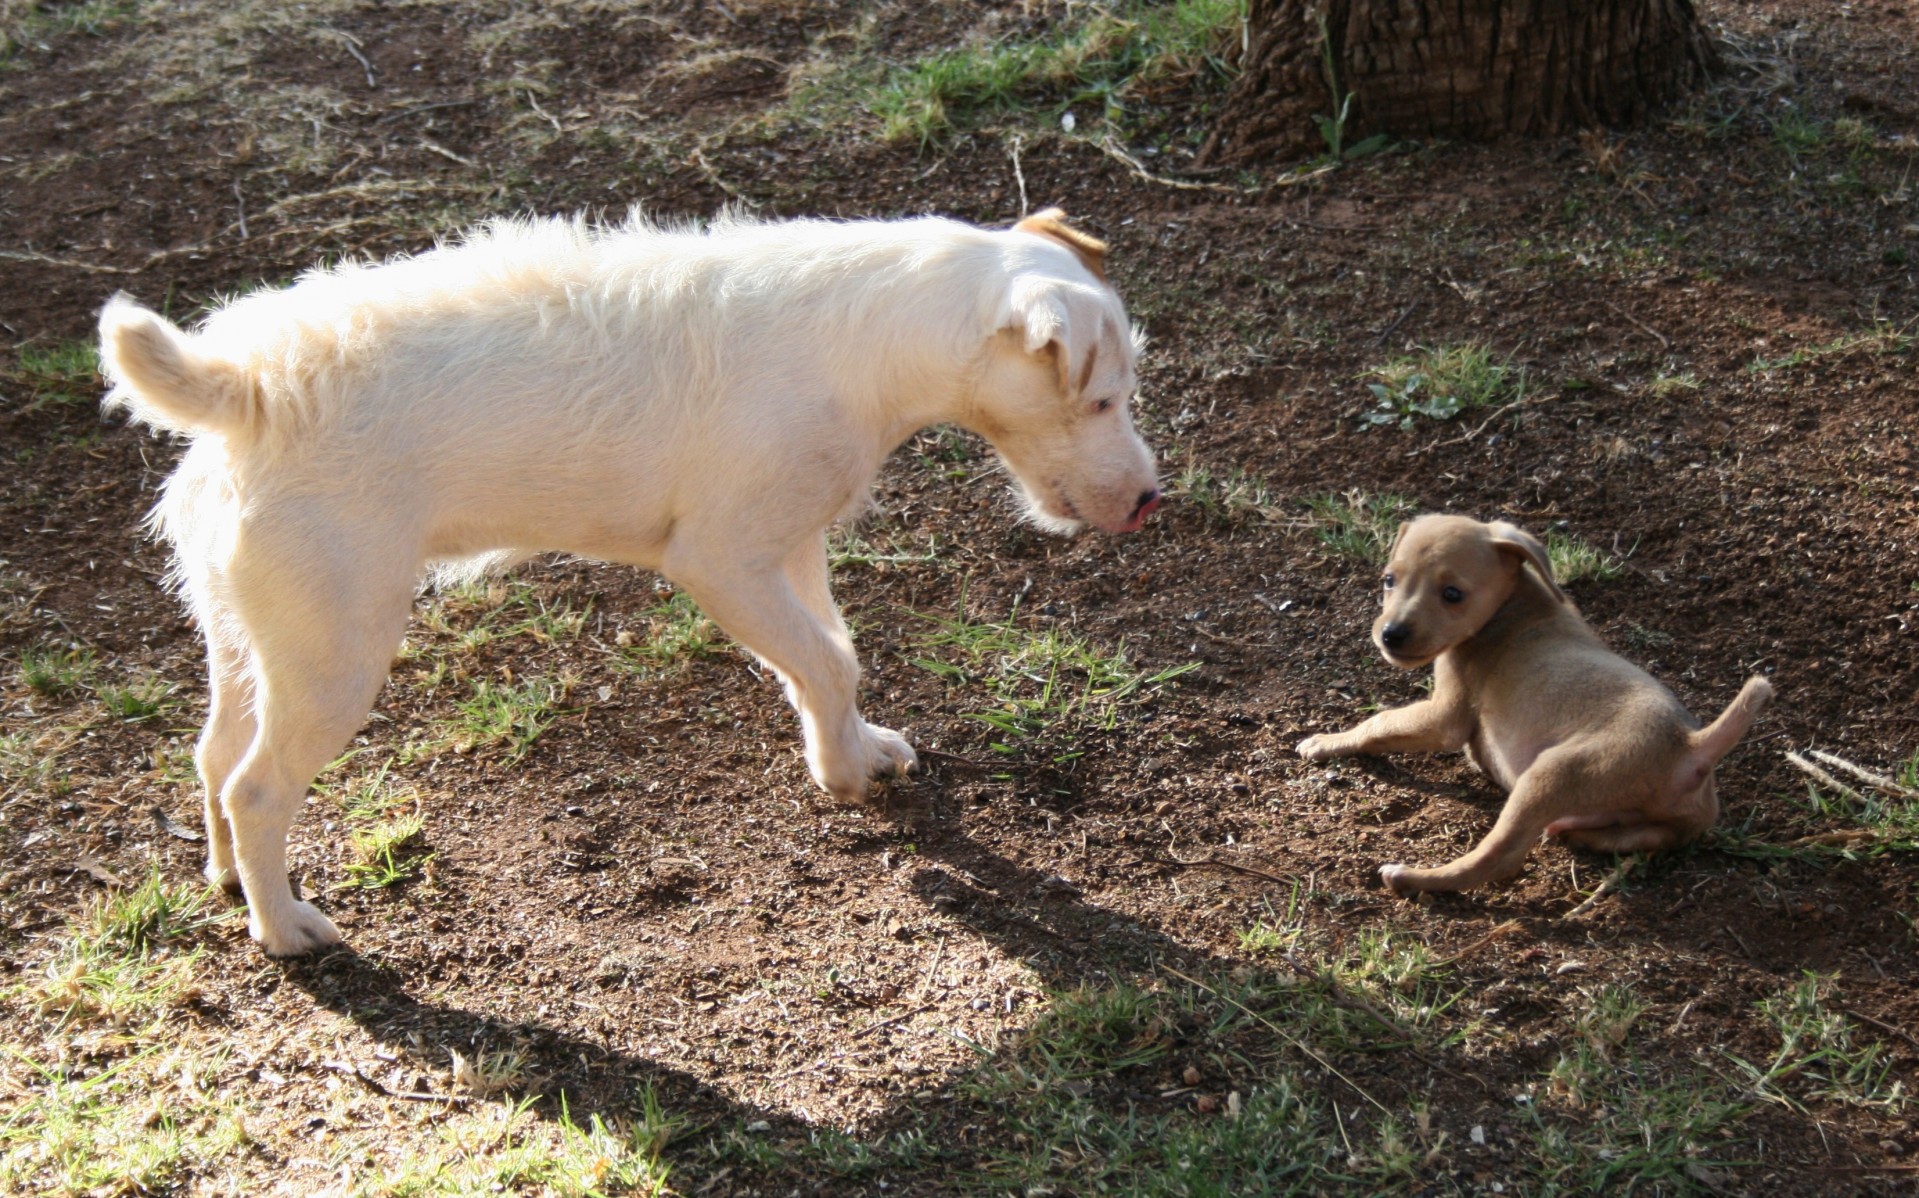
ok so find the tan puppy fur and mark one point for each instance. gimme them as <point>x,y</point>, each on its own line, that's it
<point>700,403</point>
<point>1588,745</point>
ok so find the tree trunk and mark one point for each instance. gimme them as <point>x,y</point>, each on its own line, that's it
<point>1471,69</point>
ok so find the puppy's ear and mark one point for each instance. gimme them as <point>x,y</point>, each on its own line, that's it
<point>1514,539</point>
<point>1061,319</point>
<point>1051,223</point>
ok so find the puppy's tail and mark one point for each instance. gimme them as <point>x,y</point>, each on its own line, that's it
<point>165,381</point>
<point>1716,739</point>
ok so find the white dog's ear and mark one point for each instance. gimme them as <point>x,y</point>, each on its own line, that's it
<point>1050,223</point>
<point>1514,539</point>
<point>1061,319</point>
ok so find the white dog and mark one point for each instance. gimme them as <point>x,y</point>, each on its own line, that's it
<point>700,404</point>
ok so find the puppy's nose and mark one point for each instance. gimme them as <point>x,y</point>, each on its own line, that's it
<point>1394,635</point>
<point>1148,500</point>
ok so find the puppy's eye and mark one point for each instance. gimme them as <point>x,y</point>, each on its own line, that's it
<point>1388,582</point>
<point>1452,594</point>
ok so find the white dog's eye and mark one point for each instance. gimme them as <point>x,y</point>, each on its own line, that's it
<point>1452,594</point>
<point>1102,405</point>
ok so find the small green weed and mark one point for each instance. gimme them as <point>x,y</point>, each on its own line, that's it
<point>1882,339</point>
<point>1668,385</point>
<point>1044,682</point>
<point>387,852</point>
<point>1575,560</point>
<point>677,632</point>
<point>1358,525</point>
<point>511,1149</point>
<point>1226,500</point>
<point>122,963</point>
<point>1818,1055</point>
<point>142,698</point>
<point>63,375</point>
<point>57,670</point>
<point>31,760</point>
<point>1440,383</point>
<point>510,714</point>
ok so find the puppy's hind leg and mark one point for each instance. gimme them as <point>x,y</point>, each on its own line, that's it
<point>1540,795</point>
<point>322,643</point>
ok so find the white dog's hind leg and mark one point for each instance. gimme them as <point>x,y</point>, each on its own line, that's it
<point>228,733</point>
<point>321,648</point>
<point>762,609</point>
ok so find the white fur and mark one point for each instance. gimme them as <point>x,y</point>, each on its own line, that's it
<point>703,404</point>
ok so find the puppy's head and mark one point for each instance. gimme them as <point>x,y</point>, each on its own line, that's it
<point>1055,396</point>
<point>1446,577</point>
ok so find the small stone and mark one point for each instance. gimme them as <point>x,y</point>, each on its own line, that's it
<point>1191,1076</point>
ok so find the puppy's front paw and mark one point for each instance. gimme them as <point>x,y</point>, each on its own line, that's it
<point>1396,880</point>
<point>1316,748</point>
<point>298,930</point>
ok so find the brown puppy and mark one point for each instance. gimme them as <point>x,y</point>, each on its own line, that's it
<point>1587,744</point>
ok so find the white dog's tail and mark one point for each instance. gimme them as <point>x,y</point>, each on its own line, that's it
<point>159,375</point>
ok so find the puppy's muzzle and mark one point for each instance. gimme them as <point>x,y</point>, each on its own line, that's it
<point>1393,637</point>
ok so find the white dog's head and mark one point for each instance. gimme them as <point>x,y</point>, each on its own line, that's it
<point>1055,398</point>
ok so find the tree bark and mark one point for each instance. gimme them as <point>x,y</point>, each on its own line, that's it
<point>1469,69</point>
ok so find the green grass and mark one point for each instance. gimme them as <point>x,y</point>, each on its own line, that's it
<point>1357,525</point>
<point>141,1125</point>
<point>473,615</point>
<point>509,714</point>
<point>384,849</point>
<point>142,698</point>
<point>30,760</point>
<point>1226,500</point>
<point>122,963</point>
<point>1106,65</point>
<point>1049,682</point>
<point>1883,339</point>
<point>66,374</point>
<point>1440,383</point>
<point>1575,560</point>
<point>677,632</point>
<point>1821,1058</point>
<point>56,671</point>
<point>512,1150</point>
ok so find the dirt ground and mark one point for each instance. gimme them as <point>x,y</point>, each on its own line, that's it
<point>1715,318</point>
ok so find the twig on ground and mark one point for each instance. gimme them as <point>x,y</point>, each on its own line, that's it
<point>1172,858</point>
<point>1606,887</point>
<point>900,1018</point>
<point>240,205</point>
<point>1019,175</point>
<point>1874,780</point>
<point>1379,338</point>
<point>352,45</point>
<point>1113,151</point>
<point>1643,326</point>
<point>1527,401</point>
<point>1504,929</point>
<point>1819,775</point>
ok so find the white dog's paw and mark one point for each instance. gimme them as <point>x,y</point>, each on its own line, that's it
<point>1394,877</point>
<point>888,753</point>
<point>873,752</point>
<point>226,877</point>
<point>299,929</point>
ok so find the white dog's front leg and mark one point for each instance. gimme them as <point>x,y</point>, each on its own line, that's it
<point>764,609</point>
